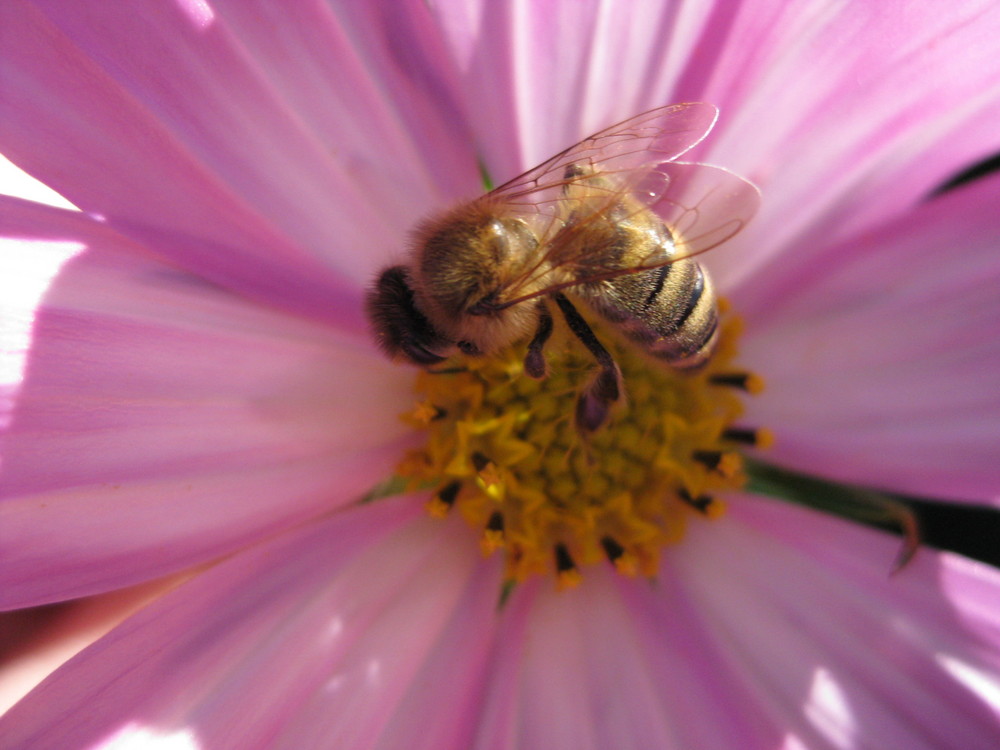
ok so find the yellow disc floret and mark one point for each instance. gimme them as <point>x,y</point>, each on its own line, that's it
<point>504,451</point>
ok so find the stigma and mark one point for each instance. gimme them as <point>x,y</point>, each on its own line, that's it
<point>503,450</point>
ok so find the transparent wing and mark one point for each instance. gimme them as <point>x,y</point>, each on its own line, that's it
<point>702,206</point>
<point>630,147</point>
<point>575,199</point>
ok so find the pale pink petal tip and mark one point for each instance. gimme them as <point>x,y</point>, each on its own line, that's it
<point>298,639</point>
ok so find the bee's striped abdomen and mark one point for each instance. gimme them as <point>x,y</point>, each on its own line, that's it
<point>670,311</point>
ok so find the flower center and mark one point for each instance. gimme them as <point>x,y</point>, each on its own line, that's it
<point>504,450</point>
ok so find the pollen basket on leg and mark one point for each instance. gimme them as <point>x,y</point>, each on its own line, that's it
<point>504,450</point>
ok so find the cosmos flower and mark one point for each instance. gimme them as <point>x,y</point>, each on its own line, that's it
<point>192,404</point>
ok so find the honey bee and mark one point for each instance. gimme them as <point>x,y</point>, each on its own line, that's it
<point>611,222</point>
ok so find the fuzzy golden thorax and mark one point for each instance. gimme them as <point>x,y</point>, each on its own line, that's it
<point>468,263</point>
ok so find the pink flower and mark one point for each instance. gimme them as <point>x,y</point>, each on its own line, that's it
<point>192,404</point>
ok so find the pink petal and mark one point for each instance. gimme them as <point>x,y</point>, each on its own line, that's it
<point>882,358</point>
<point>153,421</point>
<point>613,664</point>
<point>36,641</point>
<point>264,153</point>
<point>539,77</point>
<point>774,625</point>
<point>843,114</point>
<point>316,639</point>
<point>836,651</point>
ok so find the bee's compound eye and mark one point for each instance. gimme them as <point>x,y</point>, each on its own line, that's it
<point>467,347</point>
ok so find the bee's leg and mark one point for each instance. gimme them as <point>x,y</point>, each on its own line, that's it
<point>534,362</point>
<point>595,400</point>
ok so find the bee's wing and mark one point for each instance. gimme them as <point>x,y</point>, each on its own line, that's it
<point>702,206</point>
<point>635,145</point>
<point>628,167</point>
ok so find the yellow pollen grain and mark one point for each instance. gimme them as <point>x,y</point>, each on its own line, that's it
<point>568,579</point>
<point>716,509</point>
<point>531,484</point>
<point>764,438</point>
<point>730,464</point>
<point>755,384</point>
<point>627,565</point>
<point>437,508</point>
<point>423,413</point>
<point>491,541</point>
<point>489,475</point>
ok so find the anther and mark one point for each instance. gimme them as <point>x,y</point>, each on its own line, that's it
<point>612,548</point>
<point>567,574</point>
<point>496,522</point>
<point>439,505</point>
<point>492,538</point>
<point>758,438</point>
<point>725,463</point>
<point>745,381</point>
<point>701,503</point>
<point>624,561</point>
<point>425,412</point>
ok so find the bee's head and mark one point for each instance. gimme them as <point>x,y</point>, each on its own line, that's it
<point>466,262</point>
<point>452,294</point>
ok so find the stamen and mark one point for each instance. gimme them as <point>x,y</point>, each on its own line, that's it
<point>439,505</point>
<point>612,548</point>
<point>425,412</point>
<point>567,574</point>
<point>725,463</point>
<point>758,438</point>
<point>704,504</point>
<point>624,561</point>
<point>492,538</point>
<point>745,381</point>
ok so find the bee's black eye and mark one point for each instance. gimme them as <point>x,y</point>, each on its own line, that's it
<point>467,347</point>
